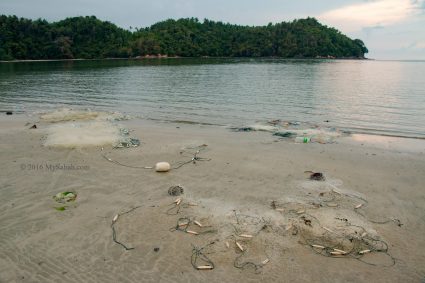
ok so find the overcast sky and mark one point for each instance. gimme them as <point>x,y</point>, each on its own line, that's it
<point>391,29</point>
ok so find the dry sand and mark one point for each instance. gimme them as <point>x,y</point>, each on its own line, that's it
<point>247,171</point>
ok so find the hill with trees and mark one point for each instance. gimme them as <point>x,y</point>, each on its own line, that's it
<point>91,38</point>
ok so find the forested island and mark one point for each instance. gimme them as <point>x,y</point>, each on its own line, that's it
<point>90,38</point>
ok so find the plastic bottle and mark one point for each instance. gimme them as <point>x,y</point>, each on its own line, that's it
<point>302,139</point>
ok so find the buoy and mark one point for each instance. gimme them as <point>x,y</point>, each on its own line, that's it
<point>162,167</point>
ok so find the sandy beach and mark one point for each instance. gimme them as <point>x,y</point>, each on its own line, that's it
<point>247,184</point>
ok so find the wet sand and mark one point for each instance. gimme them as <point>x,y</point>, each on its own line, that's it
<point>245,173</point>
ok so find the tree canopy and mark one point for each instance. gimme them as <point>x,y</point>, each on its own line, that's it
<point>90,38</point>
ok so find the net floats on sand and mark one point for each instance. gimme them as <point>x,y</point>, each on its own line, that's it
<point>337,253</point>
<point>246,236</point>
<point>162,167</point>
<point>239,246</point>
<point>204,267</point>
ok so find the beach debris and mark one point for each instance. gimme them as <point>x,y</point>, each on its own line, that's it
<point>176,190</point>
<point>124,131</point>
<point>264,262</point>
<point>246,236</point>
<point>197,223</point>
<point>302,139</point>
<point>184,225</point>
<point>227,244</point>
<point>199,254</point>
<point>9,113</point>
<point>257,127</point>
<point>194,158</point>
<point>316,176</point>
<point>243,129</point>
<point>344,240</point>
<point>239,246</point>
<point>33,126</point>
<point>122,164</point>
<point>127,143</point>
<point>183,222</point>
<point>306,221</point>
<point>60,208</point>
<point>340,251</point>
<point>178,201</point>
<point>156,249</point>
<point>114,232</point>
<point>204,267</point>
<point>284,134</point>
<point>358,206</point>
<point>162,167</point>
<point>64,197</point>
<point>300,132</point>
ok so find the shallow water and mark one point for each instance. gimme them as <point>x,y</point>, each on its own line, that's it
<point>379,97</point>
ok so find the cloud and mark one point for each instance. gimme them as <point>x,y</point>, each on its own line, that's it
<point>417,45</point>
<point>371,14</point>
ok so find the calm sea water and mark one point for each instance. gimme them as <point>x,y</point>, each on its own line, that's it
<point>380,97</point>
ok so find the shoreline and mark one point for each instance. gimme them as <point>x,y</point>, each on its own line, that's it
<point>390,137</point>
<point>176,57</point>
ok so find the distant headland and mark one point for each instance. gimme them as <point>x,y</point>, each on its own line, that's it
<point>90,38</point>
